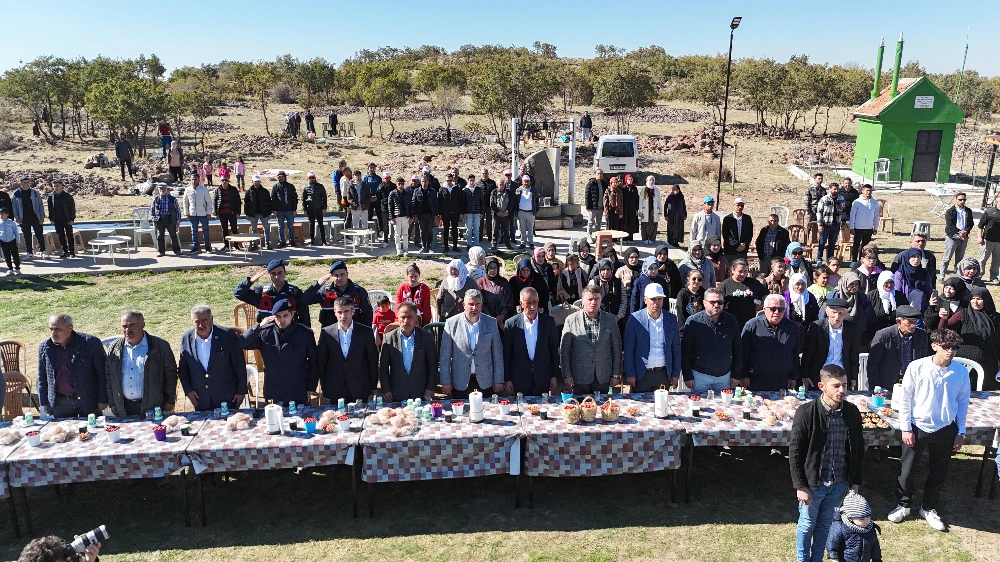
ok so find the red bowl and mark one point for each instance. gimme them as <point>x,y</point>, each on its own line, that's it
<point>458,403</point>
<point>343,418</point>
<point>111,428</point>
<point>727,391</point>
<point>31,433</point>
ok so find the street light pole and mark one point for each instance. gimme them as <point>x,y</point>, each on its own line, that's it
<point>725,108</point>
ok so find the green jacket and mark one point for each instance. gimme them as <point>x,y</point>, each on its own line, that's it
<point>159,386</point>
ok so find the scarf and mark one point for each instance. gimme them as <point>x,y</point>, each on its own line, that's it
<point>696,263</point>
<point>475,270</point>
<point>888,297</point>
<point>455,283</point>
<point>852,299</point>
<point>967,263</point>
<point>613,200</point>
<point>915,277</point>
<point>605,286</point>
<point>981,321</point>
<point>855,505</point>
<point>523,263</point>
<point>957,285</point>
<point>798,300</point>
<point>636,269</point>
<point>715,256</point>
<point>788,254</point>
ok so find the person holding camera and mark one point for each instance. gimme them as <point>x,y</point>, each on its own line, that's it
<point>55,549</point>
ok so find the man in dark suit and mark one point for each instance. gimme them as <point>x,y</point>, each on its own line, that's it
<point>348,361</point>
<point>886,363</point>
<point>212,369</point>
<point>830,340</point>
<point>289,353</point>
<point>71,377</point>
<point>530,349</point>
<point>737,232</point>
<point>772,240</point>
<point>408,359</point>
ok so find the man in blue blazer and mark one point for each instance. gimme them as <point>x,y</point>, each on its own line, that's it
<point>652,344</point>
<point>71,376</point>
<point>212,368</point>
<point>530,349</point>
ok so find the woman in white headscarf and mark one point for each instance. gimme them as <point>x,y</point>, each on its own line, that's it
<point>886,299</point>
<point>452,290</point>
<point>800,305</point>
<point>477,259</point>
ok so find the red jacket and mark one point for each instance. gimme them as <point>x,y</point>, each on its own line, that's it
<point>421,296</point>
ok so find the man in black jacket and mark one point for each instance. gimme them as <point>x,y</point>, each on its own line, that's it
<point>227,207</point>
<point>263,297</point>
<point>501,206</point>
<point>382,206</point>
<point>398,210</point>
<point>737,232</point>
<point>289,352</point>
<point>885,358</point>
<point>832,339</point>
<point>451,202</point>
<point>314,204</point>
<point>475,206</point>
<point>826,456</point>
<point>957,224</point>
<point>772,240</point>
<point>62,212</point>
<point>487,186</point>
<point>257,206</point>
<point>594,201</point>
<point>284,201</point>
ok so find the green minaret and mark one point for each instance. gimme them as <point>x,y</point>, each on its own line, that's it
<point>895,70</point>
<point>878,69</point>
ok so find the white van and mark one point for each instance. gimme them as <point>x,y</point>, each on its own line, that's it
<point>617,154</point>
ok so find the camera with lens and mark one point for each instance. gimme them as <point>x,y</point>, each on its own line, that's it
<point>80,543</point>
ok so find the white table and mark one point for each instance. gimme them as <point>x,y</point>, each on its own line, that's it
<point>335,226</point>
<point>244,240</point>
<point>354,234</point>
<point>127,241</point>
<point>942,199</point>
<point>109,243</point>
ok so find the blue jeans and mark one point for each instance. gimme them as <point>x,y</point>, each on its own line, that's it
<point>165,143</point>
<point>267,228</point>
<point>827,238</point>
<point>703,382</point>
<point>195,222</point>
<point>815,520</point>
<point>472,230</point>
<point>286,217</point>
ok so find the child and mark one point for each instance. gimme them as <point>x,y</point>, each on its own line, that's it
<point>240,169</point>
<point>224,171</point>
<point>200,170</point>
<point>854,536</point>
<point>559,295</point>
<point>8,241</point>
<point>834,265</point>
<point>776,281</point>
<point>383,317</point>
<point>821,284</point>
<point>206,171</point>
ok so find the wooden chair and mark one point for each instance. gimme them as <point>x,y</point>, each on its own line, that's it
<point>884,217</point>
<point>12,354</point>
<point>13,404</point>
<point>795,232</point>
<point>602,241</point>
<point>388,328</point>
<point>844,246</point>
<point>799,216</point>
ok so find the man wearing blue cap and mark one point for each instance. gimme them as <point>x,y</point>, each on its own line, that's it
<point>705,224</point>
<point>265,296</point>
<point>289,352</point>
<point>342,286</point>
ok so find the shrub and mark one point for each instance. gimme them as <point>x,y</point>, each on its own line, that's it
<point>283,93</point>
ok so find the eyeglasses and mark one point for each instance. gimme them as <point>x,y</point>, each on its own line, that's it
<point>949,347</point>
<point>960,200</point>
<point>715,303</point>
<point>698,279</point>
<point>776,308</point>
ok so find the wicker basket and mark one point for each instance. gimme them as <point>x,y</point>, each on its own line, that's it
<point>610,411</point>
<point>571,411</point>
<point>588,409</point>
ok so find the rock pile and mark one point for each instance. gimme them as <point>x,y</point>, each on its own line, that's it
<point>74,183</point>
<point>665,114</point>
<point>700,141</point>
<point>259,145</point>
<point>819,153</point>
<point>437,135</point>
<point>416,113</point>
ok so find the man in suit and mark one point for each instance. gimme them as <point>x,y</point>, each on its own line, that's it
<point>832,340</point>
<point>530,349</point>
<point>772,240</point>
<point>652,344</point>
<point>737,232</point>
<point>71,379</point>
<point>140,369</point>
<point>348,360</point>
<point>212,369</point>
<point>289,353</point>
<point>471,351</point>
<point>408,359</point>
<point>895,347</point>
<point>591,346</point>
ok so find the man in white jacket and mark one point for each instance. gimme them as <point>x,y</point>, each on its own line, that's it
<point>864,220</point>
<point>197,204</point>
<point>705,224</point>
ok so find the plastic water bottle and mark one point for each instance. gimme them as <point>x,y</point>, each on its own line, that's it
<point>802,393</point>
<point>225,409</point>
<point>291,408</point>
<point>378,401</point>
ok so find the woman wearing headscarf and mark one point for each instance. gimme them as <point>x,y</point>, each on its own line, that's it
<point>528,277</point>
<point>800,305</point>
<point>477,258</point>
<point>495,284</point>
<point>650,274</point>
<point>944,309</point>
<point>668,271</point>
<point>544,269</point>
<point>630,208</point>
<point>614,299</point>
<point>795,262</point>
<point>885,300</point>
<point>588,263</point>
<point>969,270</point>
<point>574,279</point>
<point>614,204</point>
<point>696,261</point>
<point>675,211</point>
<point>452,290</point>
<point>913,280</point>
<point>629,271</point>
<point>611,254</point>
<point>689,299</point>
<point>719,262</point>
<point>859,308</point>
<point>869,268</point>
<point>980,337</point>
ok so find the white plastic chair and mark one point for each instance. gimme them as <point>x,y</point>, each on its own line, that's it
<point>973,366</point>
<point>375,294</point>
<point>782,212</point>
<point>881,169</point>
<point>141,224</point>
<point>252,374</point>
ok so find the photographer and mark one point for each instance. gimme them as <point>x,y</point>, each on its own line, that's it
<point>55,549</point>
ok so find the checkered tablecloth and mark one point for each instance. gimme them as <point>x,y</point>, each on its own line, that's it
<point>138,455</point>
<point>6,450</point>
<point>981,420</point>
<point>640,443</point>
<point>217,449</point>
<point>439,449</point>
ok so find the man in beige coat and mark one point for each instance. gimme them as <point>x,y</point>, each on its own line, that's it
<point>591,347</point>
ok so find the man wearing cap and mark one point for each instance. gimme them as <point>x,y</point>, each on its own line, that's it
<point>347,358</point>
<point>399,211</point>
<point>594,201</point>
<point>228,207</point>
<point>29,212</point>
<point>264,297</point>
<point>832,340</point>
<point>487,186</point>
<point>341,286</point>
<point>652,344</point>
<point>211,369</point>
<point>705,224</point>
<point>257,206</point>
<point>770,344</point>
<point>314,205</point>
<point>382,206</point>
<point>895,347</point>
<point>451,202</point>
<point>475,206</point>
<point>284,201</point>
<point>289,353</point>
<point>737,232</point>
<point>165,214</point>
<point>526,201</point>
<point>197,202</point>
<point>435,183</point>
<point>501,207</point>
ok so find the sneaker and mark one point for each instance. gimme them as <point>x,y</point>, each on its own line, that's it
<point>32,254</point>
<point>9,272</point>
<point>281,244</point>
<point>17,271</point>
<point>399,252</point>
<point>933,519</point>
<point>897,515</point>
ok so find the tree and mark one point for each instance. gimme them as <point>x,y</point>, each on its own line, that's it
<point>912,69</point>
<point>708,86</point>
<point>258,79</point>
<point>509,85</point>
<point>316,77</point>
<point>544,50</point>
<point>623,88</point>
<point>574,87</point>
<point>758,82</point>
<point>380,87</point>
<point>608,51</point>
<point>443,85</point>
<point>130,106</point>
<point>199,103</point>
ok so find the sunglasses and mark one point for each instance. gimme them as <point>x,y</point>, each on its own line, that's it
<point>715,303</point>
<point>949,347</point>
<point>960,200</point>
<point>776,308</point>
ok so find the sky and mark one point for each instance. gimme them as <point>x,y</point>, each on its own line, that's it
<point>191,33</point>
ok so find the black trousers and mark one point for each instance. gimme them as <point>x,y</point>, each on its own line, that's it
<point>65,232</point>
<point>450,221</point>
<point>68,406</point>
<point>382,224</point>
<point>425,230</point>
<point>653,379</point>
<point>457,394</point>
<point>862,236</point>
<point>675,233</point>
<point>649,230</point>
<point>127,165</point>
<point>133,407</point>
<point>228,224</point>
<point>166,224</point>
<point>501,230</point>
<point>10,253</point>
<point>939,446</point>
<point>26,229</point>
<point>316,223</point>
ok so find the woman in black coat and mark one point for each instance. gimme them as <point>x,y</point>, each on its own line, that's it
<point>944,309</point>
<point>527,277</point>
<point>885,300</point>
<point>630,203</point>
<point>980,337</point>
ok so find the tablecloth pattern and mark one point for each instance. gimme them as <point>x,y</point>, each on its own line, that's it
<point>138,455</point>
<point>632,444</point>
<point>6,450</point>
<point>981,420</point>
<point>440,449</point>
<point>217,449</point>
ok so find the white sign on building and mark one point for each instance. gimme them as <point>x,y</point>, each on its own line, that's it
<point>923,102</point>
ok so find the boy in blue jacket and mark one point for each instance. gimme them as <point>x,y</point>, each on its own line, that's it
<point>854,537</point>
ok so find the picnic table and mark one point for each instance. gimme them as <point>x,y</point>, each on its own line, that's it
<point>5,451</point>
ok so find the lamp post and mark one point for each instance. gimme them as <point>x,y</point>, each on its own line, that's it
<point>725,108</point>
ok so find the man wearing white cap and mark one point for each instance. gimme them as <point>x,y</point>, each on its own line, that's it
<point>527,209</point>
<point>652,344</point>
<point>314,204</point>
<point>737,232</point>
<point>705,224</point>
<point>257,206</point>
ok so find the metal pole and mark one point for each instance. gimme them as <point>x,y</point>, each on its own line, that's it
<point>734,168</point>
<point>572,159</point>
<point>513,149</point>
<point>725,111</point>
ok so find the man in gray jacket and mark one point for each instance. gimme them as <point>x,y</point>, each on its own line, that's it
<point>591,347</point>
<point>471,351</point>
<point>29,213</point>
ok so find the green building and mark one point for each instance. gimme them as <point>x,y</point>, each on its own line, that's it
<point>911,123</point>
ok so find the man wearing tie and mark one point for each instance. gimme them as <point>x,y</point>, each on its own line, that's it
<point>348,362</point>
<point>530,349</point>
<point>212,369</point>
<point>408,360</point>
